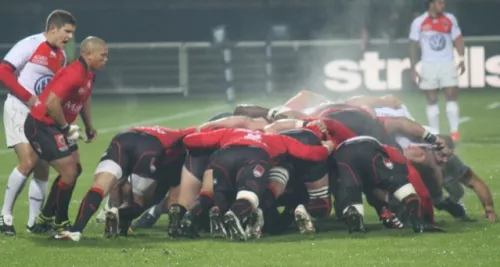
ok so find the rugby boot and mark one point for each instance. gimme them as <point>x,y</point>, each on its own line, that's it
<point>7,226</point>
<point>146,221</point>
<point>389,219</point>
<point>304,220</point>
<point>68,235</point>
<point>255,224</point>
<point>175,214</point>
<point>42,225</point>
<point>354,220</point>
<point>233,224</point>
<point>111,227</point>
<point>188,226</point>
<point>217,227</point>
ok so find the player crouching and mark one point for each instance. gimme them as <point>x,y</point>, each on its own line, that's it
<point>240,169</point>
<point>138,153</point>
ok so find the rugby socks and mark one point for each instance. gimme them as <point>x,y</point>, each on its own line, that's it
<point>37,192</point>
<point>452,111</point>
<point>242,208</point>
<point>63,197</point>
<point>50,206</point>
<point>157,210</point>
<point>202,203</point>
<point>130,212</point>
<point>319,207</point>
<point>14,187</point>
<point>88,207</point>
<point>268,197</point>
<point>433,116</point>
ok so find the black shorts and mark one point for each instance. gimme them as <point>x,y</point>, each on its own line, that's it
<point>47,140</point>
<point>168,176</point>
<point>197,164</point>
<point>363,166</point>
<point>238,168</point>
<point>135,153</point>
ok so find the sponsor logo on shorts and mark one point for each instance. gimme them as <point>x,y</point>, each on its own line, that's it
<point>258,171</point>
<point>388,163</point>
<point>61,142</point>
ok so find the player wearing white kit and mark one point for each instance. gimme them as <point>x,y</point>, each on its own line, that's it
<point>25,71</point>
<point>435,31</point>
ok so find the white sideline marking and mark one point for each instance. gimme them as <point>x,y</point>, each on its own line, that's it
<point>493,105</point>
<point>149,122</point>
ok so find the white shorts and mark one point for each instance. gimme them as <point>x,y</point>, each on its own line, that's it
<point>437,75</point>
<point>14,115</point>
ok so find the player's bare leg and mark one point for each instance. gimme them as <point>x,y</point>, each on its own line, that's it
<point>453,112</point>
<point>27,159</point>
<point>433,108</point>
<point>189,188</point>
<point>202,202</point>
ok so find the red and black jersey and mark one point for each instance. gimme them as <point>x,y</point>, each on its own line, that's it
<point>73,85</point>
<point>171,139</point>
<point>275,145</point>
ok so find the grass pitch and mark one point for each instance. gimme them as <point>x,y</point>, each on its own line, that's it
<point>465,244</point>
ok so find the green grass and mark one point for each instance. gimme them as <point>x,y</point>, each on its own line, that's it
<point>465,244</point>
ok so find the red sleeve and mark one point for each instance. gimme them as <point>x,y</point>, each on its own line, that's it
<point>338,129</point>
<point>302,151</point>
<point>8,78</point>
<point>63,85</point>
<point>210,139</point>
<point>187,131</point>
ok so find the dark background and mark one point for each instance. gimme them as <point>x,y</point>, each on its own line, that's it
<point>191,20</point>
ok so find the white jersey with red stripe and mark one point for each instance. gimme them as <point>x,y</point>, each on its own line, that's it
<point>436,36</point>
<point>36,62</point>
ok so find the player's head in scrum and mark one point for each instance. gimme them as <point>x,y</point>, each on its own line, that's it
<point>60,27</point>
<point>95,52</point>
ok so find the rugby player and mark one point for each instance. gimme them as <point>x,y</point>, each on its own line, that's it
<point>48,128</point>
<point>25,71</point>
<point>139,153</point>
<point>241,166</point>
<point>433,33</point>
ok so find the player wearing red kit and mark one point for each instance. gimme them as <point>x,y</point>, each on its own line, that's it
<point>149,156</point>
<point>241,167</point>
<point>25,70</point>
<point>49,131</point>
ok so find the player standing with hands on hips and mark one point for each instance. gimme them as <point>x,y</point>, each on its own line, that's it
<point>435,31</point>
<point>25,70</point>
<point>50,133</point>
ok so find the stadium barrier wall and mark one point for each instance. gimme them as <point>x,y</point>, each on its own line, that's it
<point>321,65</point>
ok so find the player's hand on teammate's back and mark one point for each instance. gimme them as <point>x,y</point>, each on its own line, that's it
<point>461,68</point>
<point>329,145</point>
<point>91,134</point>
<point>32,101</point>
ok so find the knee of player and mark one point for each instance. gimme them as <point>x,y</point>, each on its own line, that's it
<point>26,165</point>
<point>250,196</point>
<point>404,191</point>
<point>104,181</point>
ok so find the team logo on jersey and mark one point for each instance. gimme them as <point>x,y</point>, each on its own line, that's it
<point>388,163</point>
<point>437,42</point>
<point>258,171</point>
<point>41,83</point>
<point>152,165</point>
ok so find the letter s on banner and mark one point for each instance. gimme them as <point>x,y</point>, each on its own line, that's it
<point>342,76</point>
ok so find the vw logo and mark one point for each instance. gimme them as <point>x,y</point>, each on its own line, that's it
<point>437,42</point>
<point>41,83</point>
